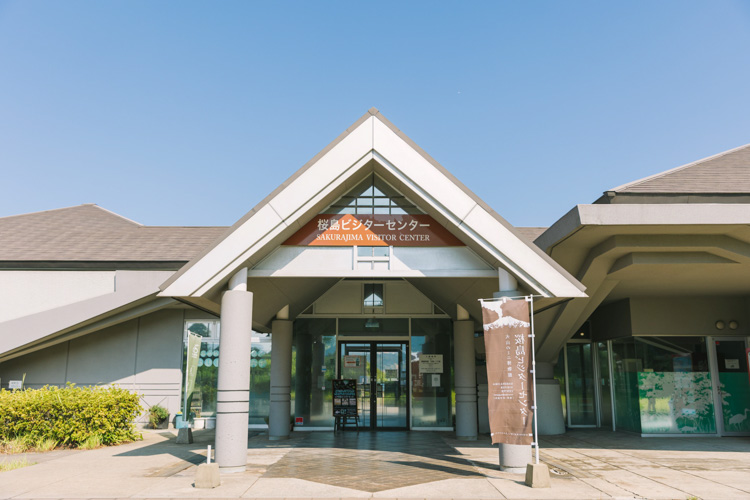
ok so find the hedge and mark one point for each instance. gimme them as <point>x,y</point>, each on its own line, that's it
<point>69,415</point>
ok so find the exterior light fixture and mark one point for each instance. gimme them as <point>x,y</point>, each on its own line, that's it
<point>720,325</point>
<point>733,325</point>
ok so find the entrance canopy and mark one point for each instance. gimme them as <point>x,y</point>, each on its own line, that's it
<point>279,241</point>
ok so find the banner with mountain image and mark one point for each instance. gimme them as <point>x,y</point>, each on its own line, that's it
<point>507,328</point>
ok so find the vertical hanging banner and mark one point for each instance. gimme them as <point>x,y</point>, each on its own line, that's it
<point>508,345</point>
<point>191,369</point>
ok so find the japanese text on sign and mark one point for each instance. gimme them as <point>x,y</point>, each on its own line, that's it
<point>507,342</point>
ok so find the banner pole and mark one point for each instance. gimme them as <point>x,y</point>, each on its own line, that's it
<point>187,366</point>
<point>530,300</point>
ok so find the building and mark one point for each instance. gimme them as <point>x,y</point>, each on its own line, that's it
<point>368,263</point>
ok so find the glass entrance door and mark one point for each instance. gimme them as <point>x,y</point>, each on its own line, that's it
<point>733,385</point>
<point>381,370</point>
<point>580,385</point>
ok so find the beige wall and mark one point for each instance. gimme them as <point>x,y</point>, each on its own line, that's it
<point>688,315</point>
<point>27,292</point>
<point>671,316</point>
<point>143,355</point>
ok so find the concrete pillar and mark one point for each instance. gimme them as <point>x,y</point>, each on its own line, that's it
<point>281,379</point>
<point>513,457</point>
<point>465,379</point>
<point>551,421</point>
<point>233,391</point>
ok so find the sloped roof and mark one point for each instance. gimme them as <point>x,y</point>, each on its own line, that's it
<point>91,233</point>
<point>371,144</point>
<point>531,233</point>
<point>725,173</point>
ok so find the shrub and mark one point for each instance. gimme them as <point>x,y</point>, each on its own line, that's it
<point>156,415</point>
<point>69,415</point>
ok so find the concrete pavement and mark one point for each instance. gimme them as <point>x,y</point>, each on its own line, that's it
<point>585,465</point>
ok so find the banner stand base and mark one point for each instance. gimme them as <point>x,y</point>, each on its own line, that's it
<point>184,435</point>
<point>537,476</point>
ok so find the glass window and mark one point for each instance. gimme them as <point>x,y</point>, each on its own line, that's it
<point>373,196</point>
<point>581,388</point>
<point>373,295</point>
<point>625,367</point>
<point>666,383</point>
<point>260,378</point>
<point>731,363</point>
<point>432,393</point>
<point>203,401</point>
<point>369,327</point>
<point>313,368</point>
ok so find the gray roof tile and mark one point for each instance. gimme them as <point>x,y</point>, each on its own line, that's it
<point>725,173</point>
<point>91,233</point>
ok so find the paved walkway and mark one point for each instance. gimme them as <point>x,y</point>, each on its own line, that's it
<point>585,465</point>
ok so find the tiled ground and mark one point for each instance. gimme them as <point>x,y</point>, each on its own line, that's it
<point>371,461</point>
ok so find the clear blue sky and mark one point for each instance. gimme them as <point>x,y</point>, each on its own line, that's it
<point>189,113</point>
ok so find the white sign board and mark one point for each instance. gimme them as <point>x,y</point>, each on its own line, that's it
<point>352,361</point>
<point>732,364</point>
<point>431,363</point>
<point>15,384</point>
<point>435,380</point>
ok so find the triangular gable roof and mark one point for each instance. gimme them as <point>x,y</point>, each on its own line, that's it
<point>725,173</point>
<point>372,139</point>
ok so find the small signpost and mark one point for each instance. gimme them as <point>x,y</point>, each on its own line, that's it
<point>345,402</point>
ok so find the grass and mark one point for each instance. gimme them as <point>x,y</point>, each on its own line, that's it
<point>14,464</point>
<point>94,441</point>
<point>21,445</point>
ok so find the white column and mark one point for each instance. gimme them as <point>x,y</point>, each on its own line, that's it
<point>281,379</point>
<point>513,457</point>
<point>465,379</point>
<point>233,391</point>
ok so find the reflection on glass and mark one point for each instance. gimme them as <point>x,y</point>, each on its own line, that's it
<point>260,378</point>
<point>203,401</point>
<point>370,327</point>
<point>605,390</point>
<point>355,365</point>
<point>313,368</point>
<point>581,390</point>
<point>663,385</point>
<point>382,390</point>
<point>432,393</point>
<point>392,388</point>
<point>675,391</point>
<point>559,375</point>
<point>731,362</point>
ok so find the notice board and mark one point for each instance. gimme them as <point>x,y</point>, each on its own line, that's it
<point>344,397</point>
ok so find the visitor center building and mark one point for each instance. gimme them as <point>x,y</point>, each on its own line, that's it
<point>368,263</point>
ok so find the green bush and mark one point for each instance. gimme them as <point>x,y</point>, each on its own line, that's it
<point>156,415</point>
<point>69,415</point>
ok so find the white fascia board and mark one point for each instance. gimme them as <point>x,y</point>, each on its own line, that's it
<point>263,222</point>
<point>516,256</point>
<point>310,185</point>
<point>283,210</point>
<point>437,189</point>
<point>457,206</point>
<point>664,214</point>
<point>438,273</point>
<point>657,214</point>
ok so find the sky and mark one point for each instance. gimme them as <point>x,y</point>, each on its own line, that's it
<point>190,113</point>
